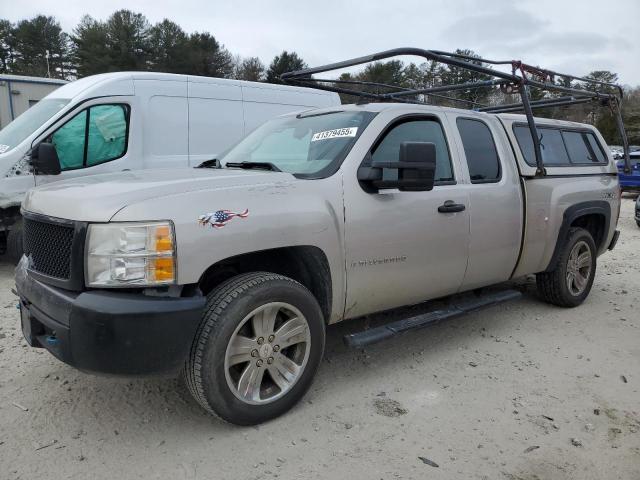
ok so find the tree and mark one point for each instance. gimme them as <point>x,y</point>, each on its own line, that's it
<point>169,48</point>
<point>40,48</point>
<point>207,57</point>
<point>251,69</point>
<point>128,41</point>
<point>601,76</point>
<point>91,50</point>
<point>452,74</point>
<point>285,62</point>
<point>6,46</point>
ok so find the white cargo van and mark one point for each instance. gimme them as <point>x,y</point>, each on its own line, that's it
<point>134,120</point>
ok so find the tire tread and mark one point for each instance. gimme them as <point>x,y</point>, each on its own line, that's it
<point>550,284</point>
<point>217,301</point>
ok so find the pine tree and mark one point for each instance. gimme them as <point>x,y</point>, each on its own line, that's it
<point>285,62</point>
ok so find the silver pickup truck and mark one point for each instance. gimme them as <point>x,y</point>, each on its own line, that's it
<point>231,272</point>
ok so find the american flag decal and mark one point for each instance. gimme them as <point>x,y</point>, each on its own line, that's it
<point>219,218</point>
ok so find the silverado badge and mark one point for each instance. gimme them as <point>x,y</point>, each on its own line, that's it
<point>219,218</point>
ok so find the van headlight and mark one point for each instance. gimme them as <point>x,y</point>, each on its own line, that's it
<point>130,254</point>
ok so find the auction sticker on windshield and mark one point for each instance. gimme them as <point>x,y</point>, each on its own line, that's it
<point>336,133</point>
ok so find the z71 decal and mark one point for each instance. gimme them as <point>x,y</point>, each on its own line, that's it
<point>219,218</point>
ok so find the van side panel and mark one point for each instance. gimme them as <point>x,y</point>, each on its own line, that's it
<point>165,122</point>
<point>216,119</point>
<point>263,103</point>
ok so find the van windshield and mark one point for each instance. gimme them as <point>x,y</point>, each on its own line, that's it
<point>307,145</point>
<point>27,123</point>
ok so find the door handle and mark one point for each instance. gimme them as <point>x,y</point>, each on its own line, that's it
<point>451,207</point>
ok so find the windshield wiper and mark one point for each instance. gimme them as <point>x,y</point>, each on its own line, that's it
<point>251,165</point>
<point>213,163</point>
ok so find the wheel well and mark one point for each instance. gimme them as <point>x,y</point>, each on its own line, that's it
<point>305,264</point>
<point>595,224</point>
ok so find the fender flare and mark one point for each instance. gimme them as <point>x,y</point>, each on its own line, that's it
<point>578,210</point>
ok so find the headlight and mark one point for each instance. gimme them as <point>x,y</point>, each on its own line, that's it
<point>130,254</point>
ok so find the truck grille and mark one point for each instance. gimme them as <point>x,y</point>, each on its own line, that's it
<point>48,245</point>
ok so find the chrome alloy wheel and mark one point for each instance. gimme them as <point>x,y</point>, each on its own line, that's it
<point>267,353</point>
<point>579,268</point>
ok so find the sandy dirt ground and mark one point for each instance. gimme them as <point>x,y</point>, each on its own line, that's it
<point>522,391</point>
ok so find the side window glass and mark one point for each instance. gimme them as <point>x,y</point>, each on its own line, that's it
<point>107,133</point>
<point>551,146</point>
<point>596,148</point>
<point>582,147</point>
<point>388,150</point>
<point>480,150</point>
<point>69,142</point>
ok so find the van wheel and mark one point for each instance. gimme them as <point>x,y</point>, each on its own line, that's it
<point>14,243</point>
<point>571,280</point>
<point>257,349</point>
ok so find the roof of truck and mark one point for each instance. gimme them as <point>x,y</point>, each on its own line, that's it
<point>409,107</point>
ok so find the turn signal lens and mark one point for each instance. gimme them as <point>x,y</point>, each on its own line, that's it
<point>162,269</point>
<point>164,239</point>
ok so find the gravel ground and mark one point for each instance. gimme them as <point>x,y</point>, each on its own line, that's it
<point>523,391</point>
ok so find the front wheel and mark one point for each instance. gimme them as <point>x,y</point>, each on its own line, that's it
<point>257,350</point>
<point>570,282</point>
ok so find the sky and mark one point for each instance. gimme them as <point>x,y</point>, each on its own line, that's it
<point>567,36</point>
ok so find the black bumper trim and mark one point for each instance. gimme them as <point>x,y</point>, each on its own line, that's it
<point>110,332</point>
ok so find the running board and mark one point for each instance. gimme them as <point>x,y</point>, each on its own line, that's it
<point>456,308</point>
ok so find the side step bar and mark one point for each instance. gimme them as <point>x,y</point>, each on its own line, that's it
<point>456,308</point>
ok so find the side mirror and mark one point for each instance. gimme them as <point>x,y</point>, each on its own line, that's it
<point>45,161</point>
<point>416,169</point>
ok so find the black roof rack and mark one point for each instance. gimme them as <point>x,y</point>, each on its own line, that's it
<point>522,78</point>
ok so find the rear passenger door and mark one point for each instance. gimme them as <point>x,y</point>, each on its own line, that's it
<point>495,199</point>
<point>400,249</point>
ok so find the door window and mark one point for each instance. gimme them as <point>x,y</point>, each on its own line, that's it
<point>69,142</point>
<point>95,135</point>
<point>480,150</point>
<point>424,130</point>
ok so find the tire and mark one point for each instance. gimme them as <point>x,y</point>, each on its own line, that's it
<point>557,287</point>
<point>638,222</point>
<point>14,243</point>
<point>214,374</point>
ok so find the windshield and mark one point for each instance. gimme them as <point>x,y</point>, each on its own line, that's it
<point>305,145</point>
<point>27,123</point>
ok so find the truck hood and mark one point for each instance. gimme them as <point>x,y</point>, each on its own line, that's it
<point>98,198</point>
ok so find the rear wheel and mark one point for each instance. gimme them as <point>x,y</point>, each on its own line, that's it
<point>571,280</point>
<point>14,243</point>
<point>258,348</point>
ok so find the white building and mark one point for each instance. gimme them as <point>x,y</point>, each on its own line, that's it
<point>18,93</point>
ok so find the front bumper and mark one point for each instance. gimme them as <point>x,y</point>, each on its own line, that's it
<point>108,331</point>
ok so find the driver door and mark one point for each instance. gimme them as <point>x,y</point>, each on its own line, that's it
<point>400,250</point>
<point>94,140</point>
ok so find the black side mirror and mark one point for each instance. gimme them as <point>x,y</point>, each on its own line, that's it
<point>416,169</point>
<point>45,160</point>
